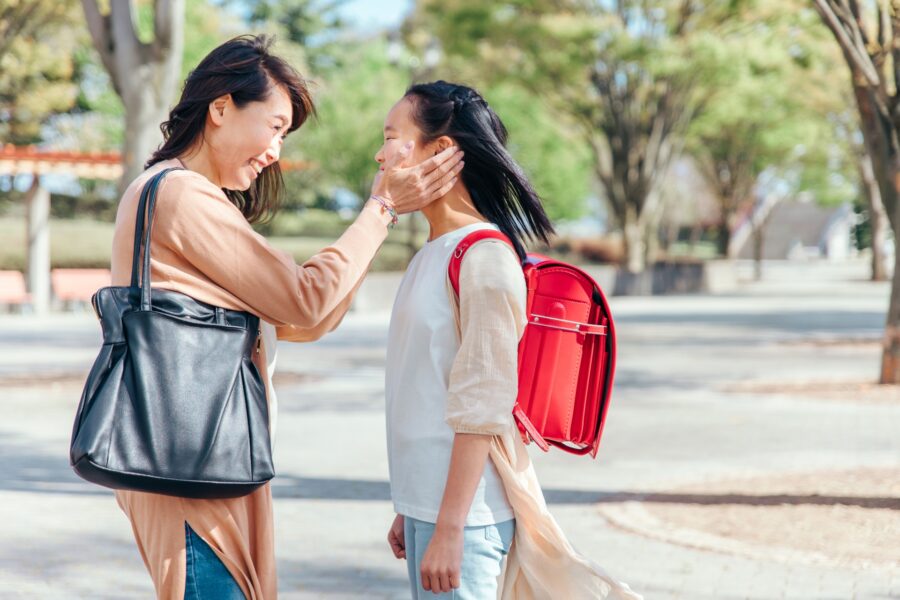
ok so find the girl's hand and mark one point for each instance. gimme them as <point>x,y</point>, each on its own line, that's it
<point>440,568</point>
<point>409,188</point>
<point>395,537</point>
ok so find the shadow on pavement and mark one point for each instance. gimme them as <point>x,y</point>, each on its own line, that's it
<point>314,488</point>
<point>28,471</point>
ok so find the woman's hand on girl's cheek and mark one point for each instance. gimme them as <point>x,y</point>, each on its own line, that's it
<point>411,188</point>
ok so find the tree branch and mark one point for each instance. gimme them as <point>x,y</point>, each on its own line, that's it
<point>168,24</point>
<point>127,52</point>
<point>895,38</point>
<point>858,58</point>
<point>99,27</point>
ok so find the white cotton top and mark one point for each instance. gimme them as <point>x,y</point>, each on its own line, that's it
<point>433,389</point>
<point>270,342</point>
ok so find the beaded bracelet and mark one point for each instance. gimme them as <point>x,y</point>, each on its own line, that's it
<point>386,207</point>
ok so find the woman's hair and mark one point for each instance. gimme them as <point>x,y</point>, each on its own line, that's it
<point>244,68</point>
<point>498,186</point>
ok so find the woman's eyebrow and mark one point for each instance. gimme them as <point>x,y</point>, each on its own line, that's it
<point>284,119</point>
<point>389,128</point>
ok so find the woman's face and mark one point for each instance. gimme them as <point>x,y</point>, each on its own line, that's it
<point>246,140</point>
<point>399,129</point>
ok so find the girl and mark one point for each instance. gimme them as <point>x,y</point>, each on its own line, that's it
<point>225,135</point>
<point>462,486</point>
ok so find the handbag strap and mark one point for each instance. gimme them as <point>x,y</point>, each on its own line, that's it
<point>143,227</point>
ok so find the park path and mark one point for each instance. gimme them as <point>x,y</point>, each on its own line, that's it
<point>685,415</point>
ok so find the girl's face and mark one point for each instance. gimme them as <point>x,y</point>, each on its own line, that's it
<point>399,129</point>
<point>246,140</point>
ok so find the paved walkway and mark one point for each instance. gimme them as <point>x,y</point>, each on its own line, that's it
<point>676,422</point>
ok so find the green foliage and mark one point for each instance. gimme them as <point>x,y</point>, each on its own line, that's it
<point>486,46</point>
<point>556,161</point>
<point>73,244</point>
<point>38,78</point>
<point>352,100</point>
<point>772,106</point>
<point>206,26</point>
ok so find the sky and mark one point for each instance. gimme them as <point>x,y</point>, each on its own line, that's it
<point>375,14</point>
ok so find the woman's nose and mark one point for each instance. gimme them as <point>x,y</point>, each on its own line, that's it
<point>379,156</point>
<point>273,152</point>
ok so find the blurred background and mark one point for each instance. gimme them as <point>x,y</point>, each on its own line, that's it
<point>656,132</point>
<point>728,170</point>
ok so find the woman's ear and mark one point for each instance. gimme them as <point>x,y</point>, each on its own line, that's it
<point>217,108</point>
<point>442,143</point>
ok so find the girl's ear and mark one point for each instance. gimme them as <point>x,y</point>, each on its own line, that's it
<point>442,143</point>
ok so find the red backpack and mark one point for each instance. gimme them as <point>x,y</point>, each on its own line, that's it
<point>567,354</point>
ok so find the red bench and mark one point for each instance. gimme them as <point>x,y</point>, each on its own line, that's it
<point>13,291</point>
<point>78,285</point>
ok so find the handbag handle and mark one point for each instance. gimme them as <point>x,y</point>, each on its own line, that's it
<point>146,204</point>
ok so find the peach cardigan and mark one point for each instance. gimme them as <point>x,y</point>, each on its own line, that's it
<point>204,247</point>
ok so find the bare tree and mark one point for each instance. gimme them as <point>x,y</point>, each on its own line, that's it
<point>878,221</point>
<point>869,37</point>
<point>144,74</point>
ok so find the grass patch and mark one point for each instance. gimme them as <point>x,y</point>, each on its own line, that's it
<point>88,244</point>
<point>73,244</point>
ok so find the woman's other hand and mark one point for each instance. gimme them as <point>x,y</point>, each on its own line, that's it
<point>396,539</point>
<point>441,565</point>
<point>409,188</point>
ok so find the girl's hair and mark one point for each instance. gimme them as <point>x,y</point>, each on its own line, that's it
<point>244,68</point>
<point>498,186</point>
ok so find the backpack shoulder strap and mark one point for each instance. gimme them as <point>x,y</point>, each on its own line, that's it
<point>463,246</point>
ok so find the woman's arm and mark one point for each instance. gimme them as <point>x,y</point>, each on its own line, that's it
<point>203,242</point>
<point>196,224</point>
<point>481,394</point>
<point>292,333</point>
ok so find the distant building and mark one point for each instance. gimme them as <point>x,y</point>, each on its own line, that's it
<point>800,230</point>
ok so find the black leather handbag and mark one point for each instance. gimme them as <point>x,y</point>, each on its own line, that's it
<point>173,404</point>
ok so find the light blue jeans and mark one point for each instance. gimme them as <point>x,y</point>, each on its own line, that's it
<point>483,552</point>
<point>207,578</point>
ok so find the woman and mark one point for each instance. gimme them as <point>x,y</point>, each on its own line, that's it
<point>225,136</point>
<point>461,482</point>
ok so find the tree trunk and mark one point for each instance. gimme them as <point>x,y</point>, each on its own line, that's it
<point>878,220</point>
<point>881,134</point>
<point>890,358</point>
<point>758,240</point>
<point>143,114</point>
<point>635,246</point>
<point>144,75</point>
<point>723,240</point>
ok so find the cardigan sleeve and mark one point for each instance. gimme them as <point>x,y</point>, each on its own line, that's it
<point>291,333</point>
<point>196,221</point>
<point>483,381</point>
